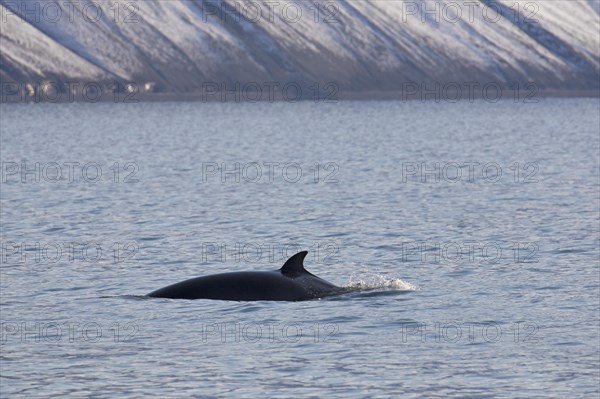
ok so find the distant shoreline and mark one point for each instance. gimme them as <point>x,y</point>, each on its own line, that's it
<point>521,96</point>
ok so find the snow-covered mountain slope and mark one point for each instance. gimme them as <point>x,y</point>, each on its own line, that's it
<point>361,45</point>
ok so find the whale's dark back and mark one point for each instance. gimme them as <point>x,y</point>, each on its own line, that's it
<point>291,283</point>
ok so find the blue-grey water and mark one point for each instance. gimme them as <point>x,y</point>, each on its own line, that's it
<point>470,232</point>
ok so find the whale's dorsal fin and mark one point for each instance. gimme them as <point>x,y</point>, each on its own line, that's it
<point>295,264</point>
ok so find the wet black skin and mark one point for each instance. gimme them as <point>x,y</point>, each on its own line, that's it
<point>290,283</point>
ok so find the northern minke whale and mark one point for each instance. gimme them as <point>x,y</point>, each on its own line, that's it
<point>290,283</point>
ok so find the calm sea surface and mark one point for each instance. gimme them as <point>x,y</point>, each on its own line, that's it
<point>469,230</point>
